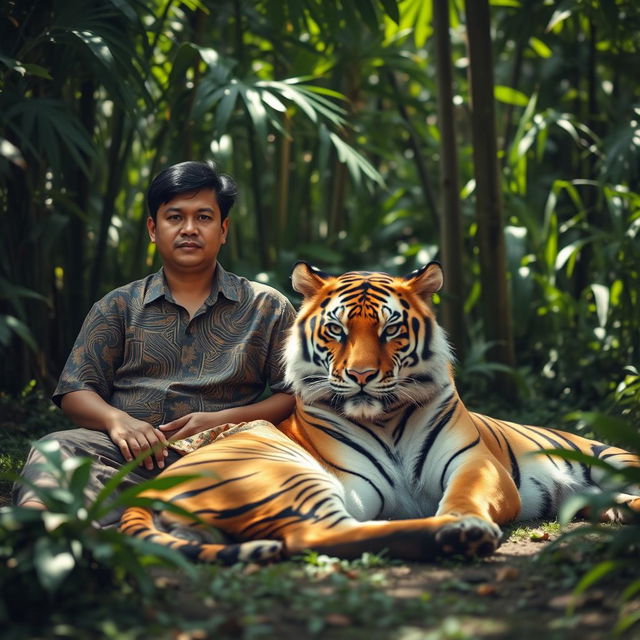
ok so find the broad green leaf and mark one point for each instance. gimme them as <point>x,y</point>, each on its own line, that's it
<point>20,329</point>
<point>570,251</point>
<point>559,16</point>
<point>356,163</point>
<point>272,101</point>
<point>367,11</point>
<point>540,47</point>
<point>570,507</point>
<point>25,68</point>
<point>96,44</point>
<point>626,621</point>
<point>616,429</point>
<point>594,574</point>
<point>53,563</point>
<point>391,9</point>
<point>601,296</point>
<point>225,108</point>
<point>509,95</point>
<point>257,112</point>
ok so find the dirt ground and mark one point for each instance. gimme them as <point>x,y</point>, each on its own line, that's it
<point>516,594</point>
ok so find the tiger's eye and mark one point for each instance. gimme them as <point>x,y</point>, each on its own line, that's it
<point>334,329</point>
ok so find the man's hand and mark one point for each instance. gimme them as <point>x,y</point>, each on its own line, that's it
<point>194,423</point>
<point>135,436</point>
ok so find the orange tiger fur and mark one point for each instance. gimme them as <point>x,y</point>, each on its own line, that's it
<point>380,452</point>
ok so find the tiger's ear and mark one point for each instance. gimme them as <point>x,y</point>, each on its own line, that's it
<point>307,279</point>
<point>426,280</point>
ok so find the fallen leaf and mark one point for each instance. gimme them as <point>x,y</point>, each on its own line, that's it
<point>537,535</point>
<point>507,573</point>
<point>485,589</point>
<point>251,568</point>
<point>338,620</point>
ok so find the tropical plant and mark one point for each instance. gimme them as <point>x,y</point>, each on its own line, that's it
<point>620,546</point>
<point>58,562</point>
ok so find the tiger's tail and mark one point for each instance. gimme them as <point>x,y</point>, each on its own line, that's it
<point>195,543</point>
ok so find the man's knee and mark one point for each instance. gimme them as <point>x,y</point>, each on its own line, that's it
<point>76,442</point>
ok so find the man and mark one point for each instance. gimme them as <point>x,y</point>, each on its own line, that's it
<point>186,349</point>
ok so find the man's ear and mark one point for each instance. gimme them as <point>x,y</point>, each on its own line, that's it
<point>151,228</point>
<point>426,280</point>
<point>307,279</point>
<point>225,230</point>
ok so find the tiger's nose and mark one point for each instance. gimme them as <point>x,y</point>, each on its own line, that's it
<point>361,377</point>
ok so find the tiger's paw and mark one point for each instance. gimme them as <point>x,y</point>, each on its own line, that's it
<point>470,537</point>
<point>251,551</point>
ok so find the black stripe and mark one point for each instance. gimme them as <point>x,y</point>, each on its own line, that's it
<point>524,435</point>
<point>358,475</point>
<point>541,432</point>
<point>547,500</point>
<point>617,453</point>
<point>434,432</point>
<point>195,492</point>
<point>515,467</point>
<point>302,336</point>
<point>398,432</point>
<point>486,424</point>
<point>340,437</point>
<point>428,333</point>
<point>453,457</point>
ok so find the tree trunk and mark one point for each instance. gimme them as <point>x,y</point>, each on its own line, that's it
<point>496,308</point>
<point>414,143</point>
<point>115,168</point>
<point>451,220</point>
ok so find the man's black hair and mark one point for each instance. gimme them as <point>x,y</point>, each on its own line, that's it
<point>191,176</point>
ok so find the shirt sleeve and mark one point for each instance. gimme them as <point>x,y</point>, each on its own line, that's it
<point>95,356</point>
<point>275,363</point>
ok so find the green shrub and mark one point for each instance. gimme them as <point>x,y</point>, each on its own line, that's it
<point>620,545</point>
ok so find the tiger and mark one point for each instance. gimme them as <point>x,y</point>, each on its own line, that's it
<point>379,454</point>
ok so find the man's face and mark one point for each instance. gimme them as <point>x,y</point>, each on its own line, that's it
<point>188,231</point>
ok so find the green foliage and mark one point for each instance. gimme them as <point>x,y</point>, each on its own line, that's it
<point>59,563</point>
<point>620,545</point>
<point>326,116</point>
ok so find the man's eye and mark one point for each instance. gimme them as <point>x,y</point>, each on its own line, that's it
<point>205,217</point>
<point>334,329</point>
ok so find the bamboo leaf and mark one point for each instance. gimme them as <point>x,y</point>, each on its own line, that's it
<point>225,108</point>
<point>509,95</point>
<point>540,47</point>
<point>559,16</point>
<point>616,429</point>
<point>391,9</point>
<point>368,12</point>
<point>53,563</point>
<point>356,163</point>
<point>592,576</point>
<point>601,297</point>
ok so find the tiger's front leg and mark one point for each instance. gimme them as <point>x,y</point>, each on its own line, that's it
<point>479,496</point>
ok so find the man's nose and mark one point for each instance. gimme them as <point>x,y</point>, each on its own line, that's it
<point>189,226</point>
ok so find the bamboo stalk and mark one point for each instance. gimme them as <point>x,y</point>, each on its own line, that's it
<point>451,219</point>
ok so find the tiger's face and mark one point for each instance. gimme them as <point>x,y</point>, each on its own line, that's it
<point>366,343</point>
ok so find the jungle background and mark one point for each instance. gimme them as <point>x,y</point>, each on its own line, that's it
<point>501,138</point>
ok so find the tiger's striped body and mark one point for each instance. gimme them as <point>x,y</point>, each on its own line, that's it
<point>380,451</point>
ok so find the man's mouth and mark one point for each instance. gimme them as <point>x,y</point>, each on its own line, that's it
<point>188,245</point>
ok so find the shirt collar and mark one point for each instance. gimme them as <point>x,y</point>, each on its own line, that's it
<point>223,283</point>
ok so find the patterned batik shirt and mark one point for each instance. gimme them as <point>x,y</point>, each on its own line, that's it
<point>139,350</point>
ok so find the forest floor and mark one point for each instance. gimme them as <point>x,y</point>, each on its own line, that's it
<point>519,593</point>
<point>523,591</point>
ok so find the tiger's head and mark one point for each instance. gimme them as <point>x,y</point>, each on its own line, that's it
<point>366,343</point>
